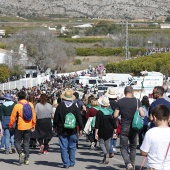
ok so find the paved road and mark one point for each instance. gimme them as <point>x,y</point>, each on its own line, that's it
<point>85,159</point>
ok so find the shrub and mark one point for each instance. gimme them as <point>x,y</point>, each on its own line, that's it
<point>82,40</point>
<point>2,45</point>
<point>77,62</point>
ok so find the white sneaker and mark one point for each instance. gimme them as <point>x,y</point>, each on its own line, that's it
<point>114,150</point>
<point>92,145</point>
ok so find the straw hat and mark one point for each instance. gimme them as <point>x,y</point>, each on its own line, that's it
<point>68,95</point>
<point>111,93</point>
<point>104,101</point>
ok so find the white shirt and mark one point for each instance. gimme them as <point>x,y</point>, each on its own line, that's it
<point>156,143</point>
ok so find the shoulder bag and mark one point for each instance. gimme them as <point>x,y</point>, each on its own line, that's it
<point>137,123</point>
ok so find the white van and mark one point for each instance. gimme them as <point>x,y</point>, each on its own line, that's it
<point>87,80</point>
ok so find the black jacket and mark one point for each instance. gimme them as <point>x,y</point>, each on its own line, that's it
<point>106,125</point>
<point>59,119</point>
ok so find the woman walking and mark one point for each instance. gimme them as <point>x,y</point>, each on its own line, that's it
<point>43,132</point>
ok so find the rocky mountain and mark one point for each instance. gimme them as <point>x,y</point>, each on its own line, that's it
<point>116,9</point>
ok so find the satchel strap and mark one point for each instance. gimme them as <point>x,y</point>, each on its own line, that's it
<point>137,104</point>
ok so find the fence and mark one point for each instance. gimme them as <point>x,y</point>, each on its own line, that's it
<point>26,82</point>
<point>30,82</point>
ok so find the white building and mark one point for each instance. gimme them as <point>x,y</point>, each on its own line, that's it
<point>2,32</point>
<point>165,26</point>
<point>84,26</point>
<point>5,57</point>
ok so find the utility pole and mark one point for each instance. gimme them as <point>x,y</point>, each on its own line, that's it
<point>127,42</point>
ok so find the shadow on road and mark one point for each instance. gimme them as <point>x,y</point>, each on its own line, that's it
<point>10,161</point>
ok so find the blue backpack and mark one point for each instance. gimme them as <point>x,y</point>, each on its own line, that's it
<point>27,111</point>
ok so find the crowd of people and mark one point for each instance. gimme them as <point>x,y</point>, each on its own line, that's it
<point>31,117</point>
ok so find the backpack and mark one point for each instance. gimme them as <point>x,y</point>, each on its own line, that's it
<point>70,121</point>
<point>27,111</point>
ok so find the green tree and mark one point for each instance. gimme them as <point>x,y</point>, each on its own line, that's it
<point>17,70</point>
<point>4,73</point>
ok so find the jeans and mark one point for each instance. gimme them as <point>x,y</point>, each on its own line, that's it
<point>2,142</point>
<point>105,145</point>
<point>112,144</point>
<point>127,134</point>
<point>142,134</point>
<point>25,136</point>
<point>7,139</point>
<point>91,136</point>
<point>68,149</point>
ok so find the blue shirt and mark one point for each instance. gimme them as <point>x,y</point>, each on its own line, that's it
<point>158,102</point>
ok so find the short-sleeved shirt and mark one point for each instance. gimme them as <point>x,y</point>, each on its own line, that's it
<point>43,111</point>
<point>158,102</point>
<point>156,143</point>
<point>127,108</point>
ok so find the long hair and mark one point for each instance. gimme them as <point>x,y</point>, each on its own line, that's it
<point>145,102</point>
<point>43,99</point>
<point>31,99</point>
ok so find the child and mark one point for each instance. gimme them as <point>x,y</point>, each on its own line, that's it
<point>156,144</point>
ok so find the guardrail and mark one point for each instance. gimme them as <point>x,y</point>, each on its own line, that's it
<point>26,82</point>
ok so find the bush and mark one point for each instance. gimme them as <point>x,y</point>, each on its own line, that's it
<point>77,62</point>
<point>157,62</point>
<point>98,51</point>
<point>82,40</point>
<point>2,45</point>
<point>108,51</point>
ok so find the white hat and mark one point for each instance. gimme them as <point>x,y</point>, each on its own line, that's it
<point>104,101</point>
<point>111,93</point>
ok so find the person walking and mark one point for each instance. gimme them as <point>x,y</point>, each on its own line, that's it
<point>8,135</point>
<point>126,108</point>
<point>145,106</point>
<point>67,136</point>
<point>43,130</point>
<point>91,113</point>
<point>105,125</point>
<point>156,143</point>
<point>111,94</point>
<point>158,93</point>
<point>23,127</point>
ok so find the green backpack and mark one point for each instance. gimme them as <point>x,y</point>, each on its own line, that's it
<point>70,121</point>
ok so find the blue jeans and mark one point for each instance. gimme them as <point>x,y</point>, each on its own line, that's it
<point>112,144</point>
<point>128,134</point>
<point>68,149</point>
<point>7,139</point>
<point>2,142</point>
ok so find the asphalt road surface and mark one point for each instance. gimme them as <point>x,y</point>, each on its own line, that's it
<point>85,159</point>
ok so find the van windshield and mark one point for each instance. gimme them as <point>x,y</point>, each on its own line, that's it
<point>102,88</point>
<point>92,81</point>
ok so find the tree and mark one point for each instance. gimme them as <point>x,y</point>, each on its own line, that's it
<point>44,49</point>
<point>17,70</point>
<point>4,73</point>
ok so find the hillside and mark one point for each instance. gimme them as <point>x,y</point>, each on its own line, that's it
<point>116,9</point>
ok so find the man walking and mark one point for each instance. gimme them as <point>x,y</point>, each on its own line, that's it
<point>126,108</point>
<point>23,127</point>
<point>158,93</point>
<point>8,135</point>
<point>67,135</point>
